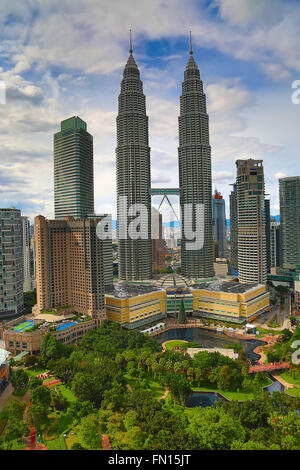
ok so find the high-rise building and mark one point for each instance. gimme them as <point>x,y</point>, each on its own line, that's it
<point>158,242</point>
<point>73,170</point>
<point>11,263</point>
<point>275,243</point>
<point>252,262</point>
<point>219,224</point>
<point>26,242</point>
<point>233,231</point>
<point>289,195</point>
<point>268,234</point>
<point>194,155</point>
<point>133,176</point>
<point>73,265</point>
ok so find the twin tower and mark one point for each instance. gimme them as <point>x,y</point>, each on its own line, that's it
<point>134,173</point>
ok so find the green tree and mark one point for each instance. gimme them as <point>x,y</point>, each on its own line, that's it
<point>41,396</point>
<point>215,429</point>
<point>37,416</point>
<point>34,383</point>
<point>90,432</point>
<point>19,379</point>
<point>182,315</point>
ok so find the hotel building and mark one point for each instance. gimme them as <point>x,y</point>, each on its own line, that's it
<point>73,266</point>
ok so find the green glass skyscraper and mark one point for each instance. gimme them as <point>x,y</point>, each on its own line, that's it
<point>73,170</point>
<point>289,194</point>
<point>195,184</point>
<point>133,176</point>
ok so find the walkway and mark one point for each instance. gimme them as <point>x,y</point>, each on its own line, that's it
<point>164,395</point>
<point>269,367</point>
<point>284,382</point>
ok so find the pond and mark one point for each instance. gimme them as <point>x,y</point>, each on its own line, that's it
<point>210,339</point>
<point>203,399</point>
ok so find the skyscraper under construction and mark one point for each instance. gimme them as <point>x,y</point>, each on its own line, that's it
<point>195,172</point>
<point>133,175</point>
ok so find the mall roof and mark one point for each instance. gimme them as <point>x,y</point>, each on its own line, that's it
<point>225,286</point>
<point>124,290</point>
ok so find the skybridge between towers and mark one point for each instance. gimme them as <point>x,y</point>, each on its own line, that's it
<point>165,192</point>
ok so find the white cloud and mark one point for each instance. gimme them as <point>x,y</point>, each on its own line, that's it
<point>243,12</point>
<point>280,175</point>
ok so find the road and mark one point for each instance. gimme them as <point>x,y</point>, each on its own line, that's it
<point>282,313</point>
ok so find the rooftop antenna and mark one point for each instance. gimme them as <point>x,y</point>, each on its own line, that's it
<point>191,47</point>
<point>130,48</point>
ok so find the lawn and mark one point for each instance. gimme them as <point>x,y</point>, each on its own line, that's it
<point>66,392</point>
<point>293,392</point>
<point>71,438</point>
<point>243,395</point>
<point>34,371</point>
<point>289,378</point>
<point>173,344</point>
<point>155,388</point>
<point>56,444</point>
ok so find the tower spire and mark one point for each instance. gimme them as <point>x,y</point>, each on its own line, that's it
<point>130,42</point>
<point>191,47</point>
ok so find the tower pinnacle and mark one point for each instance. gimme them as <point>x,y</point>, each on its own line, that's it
<point>191,47</point>
<point>130,42</point>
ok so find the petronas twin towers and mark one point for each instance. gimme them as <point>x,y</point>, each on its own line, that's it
<point>134,174</point>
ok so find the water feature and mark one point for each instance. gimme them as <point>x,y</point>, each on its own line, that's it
<point>210,339</point>
<point>203,399</point>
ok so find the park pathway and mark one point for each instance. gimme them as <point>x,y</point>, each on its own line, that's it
<point>284,382</point>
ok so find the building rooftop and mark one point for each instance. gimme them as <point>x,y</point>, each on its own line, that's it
<point>226,286</point>
<point>124,290</point>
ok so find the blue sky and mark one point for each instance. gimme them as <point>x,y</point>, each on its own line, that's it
<point>61,58</point>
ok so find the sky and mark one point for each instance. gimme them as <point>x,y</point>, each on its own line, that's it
<point>60,58</point>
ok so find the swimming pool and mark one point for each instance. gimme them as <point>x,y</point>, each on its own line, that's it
<point>64,326</point>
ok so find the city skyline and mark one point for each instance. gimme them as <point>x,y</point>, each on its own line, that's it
<point>246,90</point>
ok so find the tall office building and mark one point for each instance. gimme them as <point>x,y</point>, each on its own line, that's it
<point>73,170</point>
<point>233,231</point>
<point>158,243</point>
<point>26,246</point>
<point>133,175</point>
<point>268,234</point>
<point>194,155</point>
<point>73,265</point>
<point>275,243</point>
<point>252,262</point>
<point>289,195</point>
<point>11,263</point>
<point>219,224</point>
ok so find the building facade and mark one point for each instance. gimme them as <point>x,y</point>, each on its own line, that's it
<point>230,301</point>
<point>252,260</point>
<point>158,242</point>
<point>11,263</point>
<point>275,243</point>
<point>26,246</point>
<point>135,305</point>
<point>219,224</point>
<point>268,234</point>
<point>289,196</point>
<point>194,156</point>
<point>73,170</point>
<point>73,265</point>
<point>133,176</point>
<point>233,230</point>
<point>30,337</point>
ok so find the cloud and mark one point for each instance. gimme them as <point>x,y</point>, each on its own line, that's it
<point>276,72</point>
<point>243,12</point>
<point>222,176</point>
<point>280,175</point>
